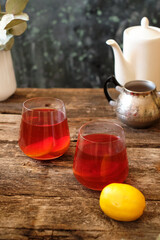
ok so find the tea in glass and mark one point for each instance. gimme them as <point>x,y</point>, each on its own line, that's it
<point>100,157</point>
<point>44,132</point>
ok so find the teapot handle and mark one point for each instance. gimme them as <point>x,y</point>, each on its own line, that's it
<point>113,80</point>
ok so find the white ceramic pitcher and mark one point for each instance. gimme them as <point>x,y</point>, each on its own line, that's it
<point>141,54</point>
<point>7,76</point>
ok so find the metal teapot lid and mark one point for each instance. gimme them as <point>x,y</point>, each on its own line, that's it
<point>144,31</point>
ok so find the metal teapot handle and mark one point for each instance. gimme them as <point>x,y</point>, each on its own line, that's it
<point>113,80</point>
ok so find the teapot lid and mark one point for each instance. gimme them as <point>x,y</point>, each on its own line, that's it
<point>144,31</point>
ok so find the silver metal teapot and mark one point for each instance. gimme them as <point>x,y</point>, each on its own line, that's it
<point>138,104</point>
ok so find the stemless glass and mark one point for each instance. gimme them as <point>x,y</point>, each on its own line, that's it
<point>100,157</point>
<point>44,132</point>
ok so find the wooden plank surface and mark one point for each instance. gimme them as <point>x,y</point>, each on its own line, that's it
<point>43,200</point>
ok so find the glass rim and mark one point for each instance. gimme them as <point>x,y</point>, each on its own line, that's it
<point>36,98</point>
<point>99,121</point>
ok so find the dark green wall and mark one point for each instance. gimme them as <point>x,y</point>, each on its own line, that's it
<point>64,45</point>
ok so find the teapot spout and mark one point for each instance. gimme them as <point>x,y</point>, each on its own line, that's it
<point>123,69</point>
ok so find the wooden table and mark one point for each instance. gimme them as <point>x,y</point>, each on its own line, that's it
<point>43,200</point>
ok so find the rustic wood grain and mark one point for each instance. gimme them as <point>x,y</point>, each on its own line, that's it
<point>43,200</point>
<point>17,170</point>
<point>77,101</point>
<point>10,123</point>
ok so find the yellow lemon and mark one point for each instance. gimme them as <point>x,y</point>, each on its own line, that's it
<point>122,202</point>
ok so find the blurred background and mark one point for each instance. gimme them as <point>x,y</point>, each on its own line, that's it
<point>64,45</point>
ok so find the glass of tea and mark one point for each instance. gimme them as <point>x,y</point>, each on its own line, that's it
<point>44,132</point>
<point>100,157</point>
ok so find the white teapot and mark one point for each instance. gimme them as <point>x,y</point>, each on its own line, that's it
<point>140,59</point>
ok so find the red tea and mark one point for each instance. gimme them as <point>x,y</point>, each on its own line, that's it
<point>100,159</point>
<point>44,133</point>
